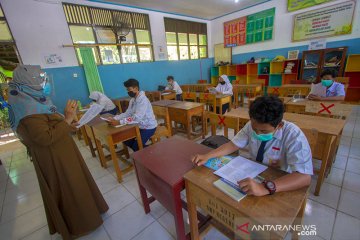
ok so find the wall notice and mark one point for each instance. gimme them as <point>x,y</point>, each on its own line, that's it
<point>294,5</point>
<point>325,22</point>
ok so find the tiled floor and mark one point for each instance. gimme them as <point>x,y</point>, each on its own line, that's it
<point>336,212</point>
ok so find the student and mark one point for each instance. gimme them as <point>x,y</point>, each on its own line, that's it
<point>173,86</point>
<point>100,98</point>
<point>139,111</point>
<point>274,142</point>
<point>224,87</point>
<point>334,91</point>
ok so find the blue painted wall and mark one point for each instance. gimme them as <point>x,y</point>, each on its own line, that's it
<point>153,74</point>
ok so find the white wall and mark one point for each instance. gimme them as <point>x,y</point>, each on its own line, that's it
<point>282,30</point>
<point>39,28</point>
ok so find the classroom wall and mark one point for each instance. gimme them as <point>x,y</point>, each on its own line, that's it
<point>283,28</point>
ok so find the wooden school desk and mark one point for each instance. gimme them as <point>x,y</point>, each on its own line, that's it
<point>221,99</point>
<point>111,136</point>
<point>181,112</point>
<point>164,103</point>
<point>203,87</point>
<point>242,89</point>
<point>285,99</point>
<point>283,208</point>
<point>329,133</point>
<point>168,96</point>
<point>160,169</point>
<point>294,89</point>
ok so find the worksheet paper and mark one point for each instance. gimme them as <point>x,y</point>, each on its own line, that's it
<point>240,168</point>
<point>90,114</point>
<point>318,90</point>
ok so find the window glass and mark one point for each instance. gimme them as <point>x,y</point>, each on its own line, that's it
<point>109,54</point>
<point>193,39</point>
<point>145,54</point>
<point>1,13</point>
<point>142,36</point>
<point>5,34</point>
<point>128,54</point>
<point>171,38</point>
<point>82,34</point>
<point>194,52</point>
<point>183,38</point>
<point>105,36</point>
<point>203,51</point>
<point>184,52</point>
<point>202,39</point>
<point>129,38</point>
<point>172,53</point>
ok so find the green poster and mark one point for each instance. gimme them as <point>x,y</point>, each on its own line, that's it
<point>260,26</point>
<point>294,5</point>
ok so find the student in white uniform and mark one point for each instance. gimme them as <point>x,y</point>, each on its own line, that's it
<point>173,86</point>
<point>224,87</point>
<point>139,111</point>
<point>100,98</point>
<point>334,91</point>
<point>274,142</point>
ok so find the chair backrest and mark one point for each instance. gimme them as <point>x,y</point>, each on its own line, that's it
<point>202,81</point>
<point>209,100</point>
<point>185,88</point>
<point>117,103</point>
<point>312,136</point>
<point>162,113</point>
<point>343,80</point>
<point>274,91</point>
<point>156,95</point>
<point>221,120</point>
<point>149,95</point>
<point>189,96</point>
<point>329,109</point>
<point>161,131</point>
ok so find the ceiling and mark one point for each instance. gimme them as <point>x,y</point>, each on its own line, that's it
<point>205,9</point>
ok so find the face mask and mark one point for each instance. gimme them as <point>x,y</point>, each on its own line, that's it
<point>326,82</point>
<point>131,94</point>
<point>222,83</point>
<point>47,89</point>
<point>263,137</point>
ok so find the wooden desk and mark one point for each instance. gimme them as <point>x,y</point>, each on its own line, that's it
<point>222,99</point>
<point>328,138</point>
<point>286,99</point>
<point>196,87</point>
<point>164,103</point>
<point>181,112</point>
<point>124,102</point>
<point>242,89</point>
<point>284,208</point>
<point>160,169</point>
<point>168,96</point>
<point>292,89</point>
<point>112,136</point>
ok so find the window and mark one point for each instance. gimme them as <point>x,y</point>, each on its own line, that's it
<point>185,40</point>
<point>116,36</point>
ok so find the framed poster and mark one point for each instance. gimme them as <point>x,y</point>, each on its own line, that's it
<point>330,21</point>
<point>293,55</point>
<point>254,28</point>
<point>294,5</point>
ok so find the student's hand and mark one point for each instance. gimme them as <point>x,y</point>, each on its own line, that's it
<point>315,97</point>
<point>74,125</point>
<point>251,187</point>
<point>199,159</point>
<point>113,122</point>
<point>70,111</point>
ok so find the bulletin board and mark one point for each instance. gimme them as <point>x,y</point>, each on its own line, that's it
<point>222,54</point>
<point>249,29</point>
<point>294,5</point>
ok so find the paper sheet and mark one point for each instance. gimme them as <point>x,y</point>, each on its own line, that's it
<point>240,168</point>
<point>212,90</point>
<point>318,90</point>
<point>90,114</point>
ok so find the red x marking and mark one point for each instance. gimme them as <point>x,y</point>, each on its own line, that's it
<point>275,90</point>
<point>206,96</point>
<point>187,94</point>
<point>221,120</point>
<point>326,108</point>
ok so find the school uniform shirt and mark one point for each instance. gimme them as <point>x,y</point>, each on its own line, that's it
<point>336,89</point>
<point>139,111</point>
<point>174,87</point>
<point>226,88</point>
<point>289,149</point>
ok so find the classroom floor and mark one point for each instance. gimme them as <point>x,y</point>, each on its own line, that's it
<point>336,212</point>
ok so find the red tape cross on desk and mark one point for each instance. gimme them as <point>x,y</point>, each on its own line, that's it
<point>275,91</point>
<point>326,108</point>
<point>221,120</point>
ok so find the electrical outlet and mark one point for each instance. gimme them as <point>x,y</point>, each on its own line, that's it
<point>75,75</point>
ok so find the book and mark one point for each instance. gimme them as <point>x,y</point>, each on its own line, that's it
<point>230,189</point>
<point>216,163</point>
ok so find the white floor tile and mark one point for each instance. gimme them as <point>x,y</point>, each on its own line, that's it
<point>340,161</point>
<point>24,225</point>
<point>154,231</point>
<point>355,148</point>
<point>346,227</point>
<point>23,205</point>
<point>349,203</point>
<point>320,215</point>
<point>343,150</point>
<point>353,165</point>
<point>106,183</point>
<point>98,234</point>
<point>352,182</point>
<point>21,180</point>
<point>21,191</point>
<point>23,167</point>
<point>156,209</point>
<point>133,187</point>
<point>329,194</point>
<point>168,222</point>
<point>41,234</point>
<point>98,172</point>
<point>117,199</point>
<point>345,140</point>
<point>128,222</point>
<point>335,177</point>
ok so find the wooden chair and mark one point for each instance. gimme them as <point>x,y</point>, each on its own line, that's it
<point>201,81</point>
<point>98,146</point>
<point>185,88</point>
<point>343,80</point>
<point>189,96</point>
<point>209,100</point>
<point>274,91</point>
<point>117,103</point>
<point>221,120</point>
<point>149,95</point>
<point>328,109</point>
<point>162,130</point>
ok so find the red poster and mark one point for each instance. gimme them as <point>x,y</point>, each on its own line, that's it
<point>235,32</point>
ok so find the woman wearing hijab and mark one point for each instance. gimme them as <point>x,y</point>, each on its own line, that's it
<point>224,87</point>
<point>72,200</point>
<point>100,98</point>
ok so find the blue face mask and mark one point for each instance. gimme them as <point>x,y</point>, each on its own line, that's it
<point>263,137</point>
<point>326,82</point>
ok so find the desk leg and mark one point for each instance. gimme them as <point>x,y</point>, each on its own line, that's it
<point>299,219</point>
<point>204,122</point>
<point>220,108</point>
<point>324,159</point>
<point>115,159</point>
<point>188,122</point>
<point>138,138</point>
<point>194,228</point>
<point>178,215</point>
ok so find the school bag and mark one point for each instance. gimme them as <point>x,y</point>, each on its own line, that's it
<point>215,141</point>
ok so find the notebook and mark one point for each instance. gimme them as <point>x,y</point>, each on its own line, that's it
<point>216,163</point>
<point>230,189</point>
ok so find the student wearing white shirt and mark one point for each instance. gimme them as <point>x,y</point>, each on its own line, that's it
<point>224,87</point>
<point>173,86</point>
<point>334,91</point>
<point>139,111</point>
<point>100,98</point>
<point>274,142</point>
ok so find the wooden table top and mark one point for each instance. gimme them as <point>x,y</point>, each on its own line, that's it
<point>282,206</point>
<point>295,85</point>
<point>104,129</point>
<point>286,99</point>
<point>164,103</point>
<point>185,105</point>
<point>330,126</point>
<point>170,159</point>
<point>218,96</point>
<point>246,85</point>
